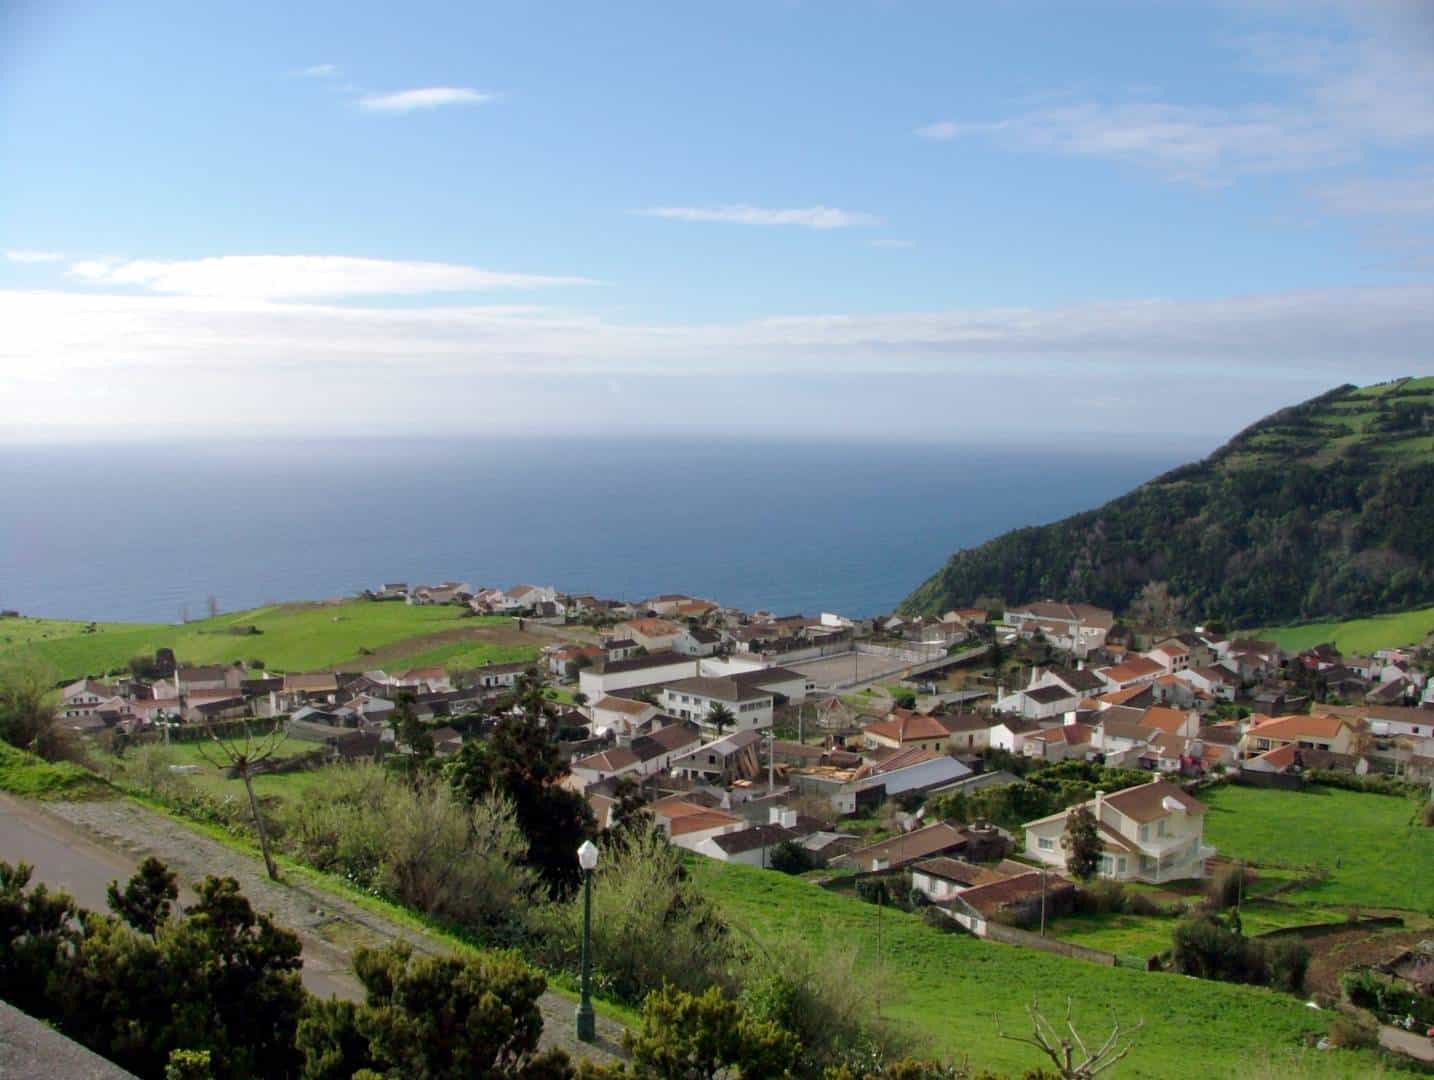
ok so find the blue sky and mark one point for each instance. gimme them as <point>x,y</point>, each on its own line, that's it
<point>747,216</point>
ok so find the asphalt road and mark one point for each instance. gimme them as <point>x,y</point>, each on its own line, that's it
<point>64,858</point>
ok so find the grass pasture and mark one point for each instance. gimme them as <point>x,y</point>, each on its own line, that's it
<point>946,988</point>
<point>24,774</point>
<point>1375,852</point>
<point>290,637</point>
<point>1358,637</point>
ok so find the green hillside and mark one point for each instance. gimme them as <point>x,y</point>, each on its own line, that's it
<point>1324,510</point>
<point>289,637</point>
<point>945,988</point>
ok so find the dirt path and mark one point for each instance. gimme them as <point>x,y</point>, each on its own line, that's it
<point>82,846</point>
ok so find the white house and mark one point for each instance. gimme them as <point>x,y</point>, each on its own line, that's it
<point>1152,833</point>
<point>598,682</point>
<point>697,641</point>
<point>1010,732</point>
<point>1073,628</point>
<point>620,714</point>
<point>695,698</point>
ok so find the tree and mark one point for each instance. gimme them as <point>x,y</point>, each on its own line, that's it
<point>243,760</point>
<point>520,760</point>
<point>148,897</point>
<point>1082,844</point>
<point>27,710</point>
<point>719,717</point>
<point>409,732</point>
<point>1070,1056</point>
<point>703,1036</point>
<point>453,1017</point>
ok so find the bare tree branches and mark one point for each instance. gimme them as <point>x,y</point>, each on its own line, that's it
<point>243,759</point>
<point>1070,1055</point>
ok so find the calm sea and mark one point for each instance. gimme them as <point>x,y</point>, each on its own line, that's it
<point>137,532</point>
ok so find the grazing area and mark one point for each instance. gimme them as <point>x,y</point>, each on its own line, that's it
<point>286,637</point>
<point>1371,847</point>
<point>22,773</point>
<point>1357,636</point>
<point>944,987</point>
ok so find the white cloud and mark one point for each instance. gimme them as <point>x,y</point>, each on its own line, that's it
<point>1396,195</point>
<point>258,277</point>
<point>319,71</point>
<point>34,256</point>
<point>430,97</point>
<point>811,217</point>
<point>1344,97</point>
<point>1332,331</point>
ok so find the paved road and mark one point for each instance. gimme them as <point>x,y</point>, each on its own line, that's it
<point>1406,1042</point>
<point>82,847</point>
<point>66,858</point>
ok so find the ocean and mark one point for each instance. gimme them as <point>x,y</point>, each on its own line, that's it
<point>137,532</point>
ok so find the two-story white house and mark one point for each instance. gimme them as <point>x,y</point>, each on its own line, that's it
<point>1152,833</point>
<point>695,698</point>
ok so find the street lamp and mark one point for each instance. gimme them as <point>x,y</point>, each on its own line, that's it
<point>587,859</point>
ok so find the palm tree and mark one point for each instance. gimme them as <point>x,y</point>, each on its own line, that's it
<point>719,717</point>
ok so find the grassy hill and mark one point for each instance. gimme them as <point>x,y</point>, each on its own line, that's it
<point>946,988</point>
<point>1372,847</point>
<point>1358,637</point>
<point>289,637</point>
<point>1321,510</point>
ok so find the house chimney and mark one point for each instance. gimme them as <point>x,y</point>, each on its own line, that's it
<point>1099,805</point>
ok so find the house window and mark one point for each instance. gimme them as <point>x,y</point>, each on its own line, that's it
<point>1160,827</point>
<point>1045,843</point>
<point>1144,833</point>
<point>1120,863</point>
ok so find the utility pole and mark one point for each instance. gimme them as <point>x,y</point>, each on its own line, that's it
<point>1043,901</point>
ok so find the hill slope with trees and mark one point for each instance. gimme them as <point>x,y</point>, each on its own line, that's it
<point>1324,509</point>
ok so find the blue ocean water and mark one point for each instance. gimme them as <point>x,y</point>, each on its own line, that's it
<point>137,532</point>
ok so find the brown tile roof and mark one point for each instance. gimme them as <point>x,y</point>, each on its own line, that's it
<point>903,725</point>
<point>623,705</point>
<point>1144,803</point>
<point>1167,720</point>
<point>1298,726</point>
<point>931,840</point>
<point>701,821</point>
<point>990,898</point>
<point>957,870</point>
<point>619,757</point>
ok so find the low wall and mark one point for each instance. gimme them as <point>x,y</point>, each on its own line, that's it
<point>1011,936</point>
<point>1318,930</point>
<point>1282,781</point>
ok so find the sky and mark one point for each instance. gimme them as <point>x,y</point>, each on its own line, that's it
<point>880,219</point>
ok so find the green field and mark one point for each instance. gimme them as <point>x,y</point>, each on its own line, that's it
<point>946,987</point>
<point>22,773</point>
<point>1356,637</point>
<point>292,637</point>
<point>1142,936</point>
<point>1376,853</point>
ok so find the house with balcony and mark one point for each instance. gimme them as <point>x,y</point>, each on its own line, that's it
<point>1152,833</point>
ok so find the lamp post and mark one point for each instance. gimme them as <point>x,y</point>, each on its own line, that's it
<point>587,859</point>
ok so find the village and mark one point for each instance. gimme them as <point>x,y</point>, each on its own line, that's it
<point>758,738</point>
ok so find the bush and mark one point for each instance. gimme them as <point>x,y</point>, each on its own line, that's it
<point>1227,887</point>
<point>1353,1033</point>
<point>790,858</point>
<point>1287,961</point>
<point>1385,998</point>
<point>1428,815</point>
<point>650,924</point>
<point>936,917</point>
<point>1101,897</point>
<point>1373,785</point>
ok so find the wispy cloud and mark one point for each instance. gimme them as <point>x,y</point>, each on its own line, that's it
<point>1310,332</point>
<point>1344,97</point>
<point>289,277</point>
<point>810,217</point>
<point>34,256</point>
<point>429,97</point>
<point>1393,195</point>
<point>319,71</point>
